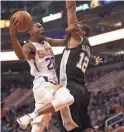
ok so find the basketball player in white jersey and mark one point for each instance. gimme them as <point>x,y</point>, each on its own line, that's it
<point>49,95</point>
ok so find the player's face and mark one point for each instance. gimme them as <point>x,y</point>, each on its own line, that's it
<point>83,32</point>
<point>38,30</point>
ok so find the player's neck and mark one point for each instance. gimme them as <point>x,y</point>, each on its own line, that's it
<point>39,40</point>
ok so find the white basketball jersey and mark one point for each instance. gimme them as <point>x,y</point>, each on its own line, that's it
<point>44,63</point>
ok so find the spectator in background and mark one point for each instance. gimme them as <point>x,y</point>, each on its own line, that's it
<point>93,117</point>
<point>12,88</point>
<point>117,126</point>
<point>121,129</point>
<point>100,118</point>
<point>121,97</point>
<point>3,113</point>
<point>119,108</point>
<point>108,129</point>
<point>112,109</point>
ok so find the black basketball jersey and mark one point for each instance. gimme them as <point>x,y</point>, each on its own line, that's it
<point>74,62</point>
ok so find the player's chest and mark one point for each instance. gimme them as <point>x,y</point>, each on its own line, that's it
<point>43,51</point>
<point>75,54</point>
<point>86,49</point>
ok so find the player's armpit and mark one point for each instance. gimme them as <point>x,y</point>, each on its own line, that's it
<point>29,51</point>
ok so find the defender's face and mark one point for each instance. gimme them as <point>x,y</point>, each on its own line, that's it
<point>83,32</point>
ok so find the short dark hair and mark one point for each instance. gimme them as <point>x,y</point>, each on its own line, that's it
<point>87,29</point>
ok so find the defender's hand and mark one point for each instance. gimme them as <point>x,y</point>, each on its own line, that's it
<point>99,60</point>
<point>75,27</point>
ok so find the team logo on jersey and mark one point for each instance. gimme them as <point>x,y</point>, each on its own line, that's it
<point>87,49</point>
<point>42,53</point>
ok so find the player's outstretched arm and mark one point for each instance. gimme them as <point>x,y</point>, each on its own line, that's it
<point>71,11</point>
<point>54,42</point>
<point>72,28</point>
<point>71,14</point>
<point>72,18</point>
<point>16,45</point>
<point>75,38</point>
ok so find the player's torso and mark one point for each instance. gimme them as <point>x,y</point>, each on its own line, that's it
<point>44,63</point>
<point>76,61</point>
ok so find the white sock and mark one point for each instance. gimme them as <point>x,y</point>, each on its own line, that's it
<point>33,115</point>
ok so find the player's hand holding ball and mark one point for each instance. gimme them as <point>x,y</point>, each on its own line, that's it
<point>13,26</point>
<point>21,21</point>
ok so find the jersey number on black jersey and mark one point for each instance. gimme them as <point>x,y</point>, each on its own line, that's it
<point>83,62</point>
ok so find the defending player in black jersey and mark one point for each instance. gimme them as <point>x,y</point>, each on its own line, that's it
<point>75,60</point>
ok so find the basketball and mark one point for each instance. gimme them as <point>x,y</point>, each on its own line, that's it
<point>24,19</point>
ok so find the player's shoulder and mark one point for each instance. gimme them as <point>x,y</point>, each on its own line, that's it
<point>29,45</point>
<point>47,43</point>
<point>85,40</point>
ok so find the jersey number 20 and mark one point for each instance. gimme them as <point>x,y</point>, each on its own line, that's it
<point>83,62</point>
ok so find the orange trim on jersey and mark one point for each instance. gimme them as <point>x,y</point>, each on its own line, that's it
<point>55,86</point>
